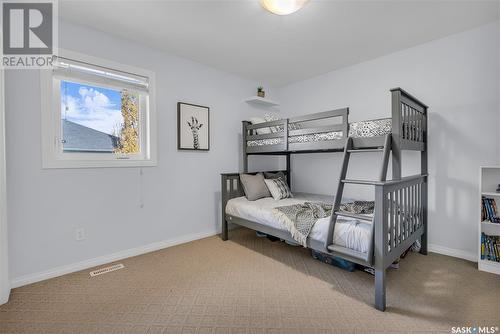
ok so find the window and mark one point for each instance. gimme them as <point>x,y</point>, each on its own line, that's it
<point>97,114</point>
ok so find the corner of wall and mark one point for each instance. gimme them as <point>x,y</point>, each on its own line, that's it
<point>498,87</point>
<point>4,264</point>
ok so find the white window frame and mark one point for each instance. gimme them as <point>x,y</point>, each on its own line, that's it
<point>52,153</point>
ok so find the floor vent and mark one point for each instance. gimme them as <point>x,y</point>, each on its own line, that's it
<point>106,270</point>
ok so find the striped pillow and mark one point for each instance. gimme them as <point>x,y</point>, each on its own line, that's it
<point>278,188</point>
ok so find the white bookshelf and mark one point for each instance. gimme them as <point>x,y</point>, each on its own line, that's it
<point>489,193</point>
<point>489,178</point>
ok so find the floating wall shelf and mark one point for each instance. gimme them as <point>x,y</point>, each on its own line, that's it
<point>261,101</point>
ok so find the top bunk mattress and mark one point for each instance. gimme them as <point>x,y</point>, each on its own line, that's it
<point>349,232</point>
<point>364,129</point>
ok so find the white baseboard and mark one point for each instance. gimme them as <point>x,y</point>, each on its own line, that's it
<point>4,297</point>
<point>452,252</point>
<point>98,261</point>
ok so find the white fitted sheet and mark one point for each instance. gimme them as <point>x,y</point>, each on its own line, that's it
<point>349,232</point>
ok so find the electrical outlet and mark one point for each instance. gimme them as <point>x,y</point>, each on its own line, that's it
<point>80,234</point>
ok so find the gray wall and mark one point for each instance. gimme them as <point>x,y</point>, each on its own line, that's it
<point>180,196</point>
<point>458,77</point>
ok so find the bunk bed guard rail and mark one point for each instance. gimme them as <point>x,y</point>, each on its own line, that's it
<point>399,220</point>
<point>400,217</point>
<point>280,131</point>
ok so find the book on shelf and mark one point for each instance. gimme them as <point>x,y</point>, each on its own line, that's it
<point>490,247</point>
<point>489,210</point>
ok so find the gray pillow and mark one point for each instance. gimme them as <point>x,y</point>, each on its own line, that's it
<point>254,186</point>
<point>278,175</point>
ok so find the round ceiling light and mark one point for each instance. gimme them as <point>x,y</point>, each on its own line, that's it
<point>283,7</point>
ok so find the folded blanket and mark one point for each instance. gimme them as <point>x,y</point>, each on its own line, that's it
<point>299,219</point>
<point>359,207</point>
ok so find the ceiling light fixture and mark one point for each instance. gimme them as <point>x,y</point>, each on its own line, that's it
<point>283,7</point>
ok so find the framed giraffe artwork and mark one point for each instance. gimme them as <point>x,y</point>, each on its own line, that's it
<point>193,127</point>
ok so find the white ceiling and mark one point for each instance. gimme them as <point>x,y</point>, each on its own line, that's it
<point>240,37</point>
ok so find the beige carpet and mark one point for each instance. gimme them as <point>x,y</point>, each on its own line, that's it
<point>251,285</point>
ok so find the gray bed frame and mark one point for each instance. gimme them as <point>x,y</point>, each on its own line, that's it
<point>400,216</point>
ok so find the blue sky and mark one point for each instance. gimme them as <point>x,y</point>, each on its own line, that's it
<point>95,107</point>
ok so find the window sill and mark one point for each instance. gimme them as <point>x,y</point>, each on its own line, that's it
<point>118,163</point>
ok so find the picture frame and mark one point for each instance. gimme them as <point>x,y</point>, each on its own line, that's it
<point>193,127</point>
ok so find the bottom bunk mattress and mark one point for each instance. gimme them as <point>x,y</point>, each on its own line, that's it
<point>349,232</point>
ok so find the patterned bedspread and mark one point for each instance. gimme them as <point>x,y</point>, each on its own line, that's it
<point>361,129</point>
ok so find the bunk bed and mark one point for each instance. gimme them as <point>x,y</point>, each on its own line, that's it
<point>400,215</point>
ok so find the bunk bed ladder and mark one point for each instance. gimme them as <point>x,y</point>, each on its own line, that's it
<point>348,150</point>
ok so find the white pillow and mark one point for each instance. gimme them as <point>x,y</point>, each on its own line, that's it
<point>258,120</point>
<point>279,128</point>
<point>278,188</point>
<point>273,117</point>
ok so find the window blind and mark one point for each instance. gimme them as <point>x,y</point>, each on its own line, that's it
<point>72,69</point>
